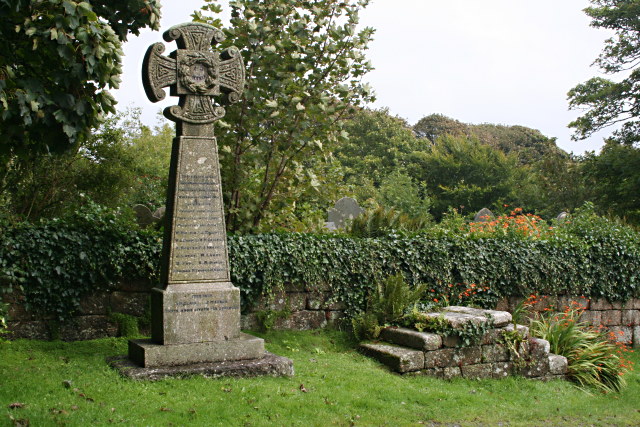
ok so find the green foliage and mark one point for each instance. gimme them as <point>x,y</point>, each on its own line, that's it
<point>463,173</point>
<point>528,145</point>
<point>393,297</point>
<point>56,262</point>
<point>376,148</point>
<point>268,318</point>
<point>58,57</point>
<point>399,191</point>
<point>127,325</point>
<point>4,317</point>
<point>384,221</point>
<point>614,179</point>
<point>595,360</point>
<point>608,102</point>
<point>467,334</point>
<point>304,61</point>
<point>366,326</point>
<point>388,304</point>
<point>121,164</point>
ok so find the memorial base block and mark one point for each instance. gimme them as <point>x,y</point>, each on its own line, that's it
<point>148,354</point>
<point>195,312</point>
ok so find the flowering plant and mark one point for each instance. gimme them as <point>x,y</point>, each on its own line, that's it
<point>595,358</point>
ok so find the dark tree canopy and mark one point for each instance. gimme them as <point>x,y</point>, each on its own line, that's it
<point>529,145</point>
<point>604,101</point>
<point>57,58</point>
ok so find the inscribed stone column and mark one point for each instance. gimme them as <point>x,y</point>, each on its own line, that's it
<point>196,311</point>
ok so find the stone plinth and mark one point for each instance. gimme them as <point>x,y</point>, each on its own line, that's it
<point>194,313</point>
<point>268,365</point>
<point>149,354</point>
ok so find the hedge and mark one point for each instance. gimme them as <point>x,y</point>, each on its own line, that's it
<point>56,262</point>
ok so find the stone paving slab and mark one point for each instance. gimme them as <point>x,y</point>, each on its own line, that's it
<point>268,365</point>
<point>456,320</point>
<point>500,318</point>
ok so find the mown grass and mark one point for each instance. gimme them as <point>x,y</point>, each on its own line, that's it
<point>60,383</point>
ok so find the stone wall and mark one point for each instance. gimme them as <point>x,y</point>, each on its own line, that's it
<point>291,308</point>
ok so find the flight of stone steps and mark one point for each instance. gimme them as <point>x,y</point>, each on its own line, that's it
<point>423,353</point>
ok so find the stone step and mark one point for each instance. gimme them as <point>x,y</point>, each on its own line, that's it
<point>424,341</point>
<point>399,359</point>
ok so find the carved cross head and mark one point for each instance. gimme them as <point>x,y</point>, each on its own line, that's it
<point>194,72</point>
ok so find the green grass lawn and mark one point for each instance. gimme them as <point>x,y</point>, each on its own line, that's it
<point>56,383</point>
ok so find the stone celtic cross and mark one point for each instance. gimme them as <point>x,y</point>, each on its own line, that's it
<point>194,72</point>
<point>195,312</point>
<point>196,301</point>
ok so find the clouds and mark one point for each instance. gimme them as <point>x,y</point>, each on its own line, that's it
<point>497,61</point>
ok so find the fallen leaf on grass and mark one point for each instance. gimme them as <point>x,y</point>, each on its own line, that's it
<point>16,405</point>
<point>19,422</point>
<point>74,407</point>
<point>163,409</point>
<point>67,383</point>
<point>303,389</point>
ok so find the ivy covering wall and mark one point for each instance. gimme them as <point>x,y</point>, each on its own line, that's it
<point>56,262</point>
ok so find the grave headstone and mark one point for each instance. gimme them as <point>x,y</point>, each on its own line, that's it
<point>144,217</point>
<point>484,215</point>
<point>345,209</point>
<point>195,313</point>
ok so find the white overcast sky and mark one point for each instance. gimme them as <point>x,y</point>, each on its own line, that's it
<point>505,62</point>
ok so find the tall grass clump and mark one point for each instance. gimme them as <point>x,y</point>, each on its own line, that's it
<point>595,359</point>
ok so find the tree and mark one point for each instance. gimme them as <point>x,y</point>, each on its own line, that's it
<point>304,63</point>
<point>462,173</point>
<point>436,125</point>
<point>614,177</point>
<point>607,102</point>
<point>529,145</point>
<point>377,145</point>
<point>121,164</point>
<point>57,59</point>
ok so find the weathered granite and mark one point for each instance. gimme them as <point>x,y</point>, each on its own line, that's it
<point>476,372</point>
<point>397,358</point>
<point>496,334</point>
<point>268,365</point>
<point>495,353</point>
<point>410,338</point>
<point>194,313</point>
<point>499,318</point>
<point>150,354</point>
<point>456,320</point>
<point>630,317</point>
<point>131,303</point>
<point>611,317</point>
<point>439,358</point>
<point>558,365</point>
